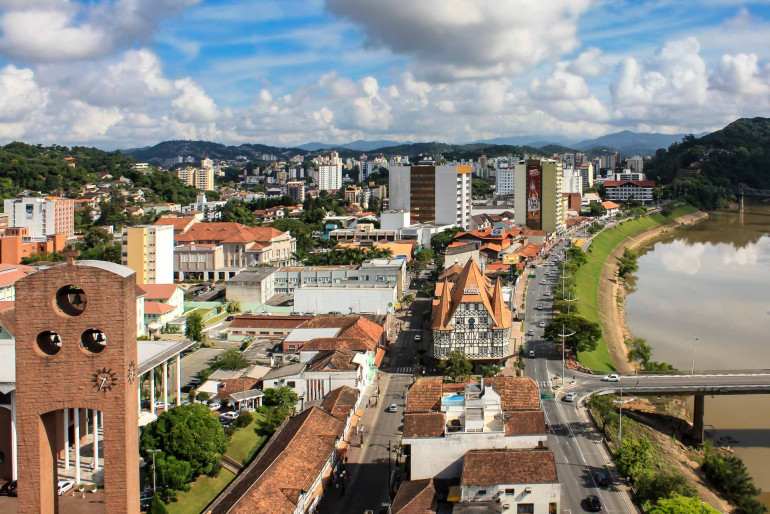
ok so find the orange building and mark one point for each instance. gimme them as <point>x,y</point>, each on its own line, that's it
<point>16,244</point>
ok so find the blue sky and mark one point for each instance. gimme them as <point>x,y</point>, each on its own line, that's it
<point>124,73</point>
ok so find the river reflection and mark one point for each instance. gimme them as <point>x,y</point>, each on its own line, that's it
<point>712,281</point>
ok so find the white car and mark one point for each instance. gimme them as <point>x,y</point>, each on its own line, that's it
<point>570,397</point>
<point>232,415</point>
<point>159,405</point>
<point>541,324</point>
<point>393,407</point>
<point>612,377</point>
<point>65,485</point>
<point>417,338</point>
<point>214,406</point>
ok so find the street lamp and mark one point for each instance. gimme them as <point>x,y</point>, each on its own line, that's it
<point>692,370</point>
<point>563,344</point>
<point>153,469</point>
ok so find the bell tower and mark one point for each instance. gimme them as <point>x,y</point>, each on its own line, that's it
<point>76,349</point>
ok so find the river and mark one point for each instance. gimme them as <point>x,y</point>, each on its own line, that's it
<point>712,281</point>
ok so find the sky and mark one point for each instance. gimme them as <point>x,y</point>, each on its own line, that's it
<point>130,73</point>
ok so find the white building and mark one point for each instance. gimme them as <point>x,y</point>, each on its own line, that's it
<point>345,298</point>
<point>329,177</point>
<point>572,181</point>
<point>42,216</point>
<point>587,174</point>
<point>622,190</point>
<point>442,426</point>
<point>505,178</point>
<point>394,220</point>
<point>440,194</point>
<point>628,174</point>
<point>636,163</point>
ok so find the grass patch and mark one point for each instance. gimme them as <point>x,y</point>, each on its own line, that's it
<point>587,276</point>
<point>246,441</point>
<point>202,491</point>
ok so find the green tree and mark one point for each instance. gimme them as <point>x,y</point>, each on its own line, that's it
<point>651,485</point>
<point>587,333</point>
<point>729,475</point>
<point>172,472</point>
<point>234,307</point>
<point>489,371</point>
<point>157,506</point>
<point>457,367</point>
<point>193,329</point>
<point>634,457</point>
<point>597,209</point>
<point>681,505</point>
<point>576,255</point>
<point>628,262</point>
<point>272,419</point>
<point>232,359</point>
<point>96,236</point>
<point>424,256</point>
<point>282,397</point>
<point>237,211</point>
<point>188,433</point>
<point>439,242</point>
<point>639,351</point>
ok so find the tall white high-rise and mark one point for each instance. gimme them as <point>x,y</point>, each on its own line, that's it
<point>329,177</point>
<point>505,178</point>
<point>572,181</point>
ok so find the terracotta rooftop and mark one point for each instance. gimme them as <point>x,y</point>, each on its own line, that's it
<point>415,497</point>
<point>287,466</point>
<point>340,402</point>
<point>499,467</point>
<point>425,395</point>
<point>355,344</point>
<point>179,224</point>
<point>334,360</point>
<point>349,325</point>
<point>226,232</point>
<point>157,308</point>
<point>10,274</point>
<point>516,393</point>
<point>529,422</point>
<point>235,385</point>
<point>156,291</point>
<point>610,205</point>
<point>424,424</point>
<point>247,321</point>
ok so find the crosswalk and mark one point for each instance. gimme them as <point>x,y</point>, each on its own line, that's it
<point>402,369</point>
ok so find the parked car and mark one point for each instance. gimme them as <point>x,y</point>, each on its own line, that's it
<point>541,324</point>
<point>8,489</point>
<point>335,312</point>
<point>539,306</point>
<point>145,498</point>
<point>393,407</point>
<point>195,381</point>
<point>593,503</point>
<point>159,404</point>
<point>417,338</point>
<point>531,331</point>
<point>532,353</point>
<point>295,313</point>
<point>214,406</point>
<point>64,486</point>
<point>570,397</point>
<point>612,377</point>
<point>229,415</point>
<point>229,318</point>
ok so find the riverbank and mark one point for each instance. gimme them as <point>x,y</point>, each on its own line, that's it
<point>597,286</point>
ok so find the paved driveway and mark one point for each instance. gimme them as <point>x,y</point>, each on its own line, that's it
<point>196,361</point>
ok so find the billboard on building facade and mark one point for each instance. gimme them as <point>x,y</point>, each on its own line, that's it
<point>534,197</point>
<point>511,258</point>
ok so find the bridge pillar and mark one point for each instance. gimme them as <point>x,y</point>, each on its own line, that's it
<point>740,203</point>
<point>697,417</point>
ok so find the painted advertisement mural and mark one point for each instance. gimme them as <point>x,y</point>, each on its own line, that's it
<point>534,197</point>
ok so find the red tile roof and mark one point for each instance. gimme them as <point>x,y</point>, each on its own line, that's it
<point>424,424</point>
<point>355,344</point>
<point>340,402</point>
<point>516,393</point>
<point>10,274</point>
<point>349,325</point>
<point>332,361</point>
<point>247,321</point>
<point>528,422</point>
<point>179,224</point>
<point>424,395</point>
<point>157,308</point>
<point>416,497</point>
<point>226,232</point>
<point>500,467</point>
<point>157,291</point>
<point>610,205</point>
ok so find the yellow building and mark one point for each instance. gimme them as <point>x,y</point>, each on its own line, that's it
<point>202,179</point>
<point>149,251</point>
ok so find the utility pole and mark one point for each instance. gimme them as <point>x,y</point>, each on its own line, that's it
<point>692,370</point>
<point>563,345</point>
<point>389,472</point>
<point>153,469</point>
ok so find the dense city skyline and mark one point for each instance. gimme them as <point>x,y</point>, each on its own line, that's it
<point>134,72</point>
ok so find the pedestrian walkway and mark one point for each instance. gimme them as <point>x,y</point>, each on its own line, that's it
<point>403,369</point>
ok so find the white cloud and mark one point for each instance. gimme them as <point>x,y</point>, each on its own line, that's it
<point>740,75</point>
<point>467,38</point>
<point>20,95</point>
<point>192,103</point>
<point>680,257</point>
<point>588,64</point>
<point>47,31</point>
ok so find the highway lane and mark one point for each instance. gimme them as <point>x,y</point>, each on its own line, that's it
<point>575,443</point>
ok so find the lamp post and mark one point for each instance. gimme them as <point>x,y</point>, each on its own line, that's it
<point>563,345</point>
<point>692,370</point>
<point>153,469</point>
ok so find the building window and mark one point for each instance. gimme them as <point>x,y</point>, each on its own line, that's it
<point>552,508</point>
<point>481,492</point>
<point>525,508</point>
<point>291,384</point>
<point>510,492</point>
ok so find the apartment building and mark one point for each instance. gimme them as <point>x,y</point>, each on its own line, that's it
<point>538,201</point>
<point>42,216</point>
<point>505,183</point>
<point>440,194</point>
<point>149,251</point>
<point>201,178</point>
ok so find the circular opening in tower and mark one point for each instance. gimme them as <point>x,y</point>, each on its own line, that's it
<point>93,340</point>
<point>49,342</point>
<point>71,300</point>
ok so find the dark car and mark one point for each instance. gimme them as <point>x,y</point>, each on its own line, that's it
<point>8,489</point>
<point>602,478</point>
<point>593,503</point>
<point>229,318</point>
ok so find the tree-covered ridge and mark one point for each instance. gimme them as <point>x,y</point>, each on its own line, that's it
<point>738,153</point>
<point>62,170</point>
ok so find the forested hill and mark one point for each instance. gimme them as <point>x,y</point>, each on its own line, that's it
<point>62,170</point>
<point>199,149</point>
<point>739,153</point>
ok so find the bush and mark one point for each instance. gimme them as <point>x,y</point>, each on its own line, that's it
<point>157,506</point>
<point>651,486</point>
<point>173,472</point>
<point>244,420</point>
<point>730,476</point>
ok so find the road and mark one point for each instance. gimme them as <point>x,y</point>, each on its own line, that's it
<point>371,470</point>
<point>575,443</point>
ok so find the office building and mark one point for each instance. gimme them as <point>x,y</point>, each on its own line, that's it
<point>42,216</point>
<point>440,194</point>
<point>149,251</point>
<point>538,201</point>
<point>572,181</point>
<point>504,179</point>
<point>587,175</point>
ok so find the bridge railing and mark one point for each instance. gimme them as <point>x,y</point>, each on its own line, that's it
<point>677,372</point>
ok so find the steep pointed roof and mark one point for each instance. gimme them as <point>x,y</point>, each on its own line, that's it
<point>471,286</point>
<point>442,311</point>
<point>500,311</point>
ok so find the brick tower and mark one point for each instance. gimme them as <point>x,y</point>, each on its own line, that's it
<point>76,348</point>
